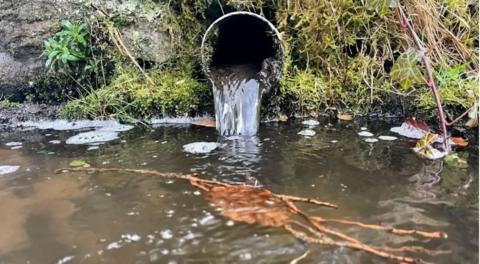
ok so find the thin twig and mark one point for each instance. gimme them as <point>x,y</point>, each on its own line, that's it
<point>431,81</point>
<point>297,259</point>
<point>305,200</point>
<point>384,228</point>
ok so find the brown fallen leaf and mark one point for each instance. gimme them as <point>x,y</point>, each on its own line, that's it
<point>459,141</point>
<point>345,117</point>
<point>205,123</point>
<point>282,118</point>
<point>473,122</point>
<point>412,121</point>
<point>249,204</point>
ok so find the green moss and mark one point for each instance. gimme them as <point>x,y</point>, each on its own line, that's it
<point>130,96</point>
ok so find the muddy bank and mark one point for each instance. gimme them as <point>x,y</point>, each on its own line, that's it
<point>10,115</point>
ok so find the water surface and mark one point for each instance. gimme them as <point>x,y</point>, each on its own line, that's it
<point>128,218</point>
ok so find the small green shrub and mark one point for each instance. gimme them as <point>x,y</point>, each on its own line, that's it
<point>67,47</point>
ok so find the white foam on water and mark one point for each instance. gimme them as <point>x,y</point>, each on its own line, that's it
<point>365,134</point>
<point>307,133</point>
<point>387,138</point>
<point>311,122</point>
<point>200,147</point>
<point>166,234</point>
<point>62,124</point>
<point>6,169</point>
<point>131,237</point>
<point>92,137</point>
<point>13,144</point>
<point>54,141</point>
<point>114,245</point>
<point>371,140</point>
<point>65,259</point>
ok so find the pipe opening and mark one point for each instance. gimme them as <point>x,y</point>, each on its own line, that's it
<point>243,39</point>
<point>242,57</point>
<point>240,38</point>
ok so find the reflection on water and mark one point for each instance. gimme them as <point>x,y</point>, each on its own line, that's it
<point>126,218</point>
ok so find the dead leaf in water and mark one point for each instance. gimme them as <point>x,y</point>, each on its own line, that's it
<point>459,141</point>
<point>205,123</point>
<point>412,121</point>
<point>248,204</point>
<point>282,118</point>
<point>345,117</point>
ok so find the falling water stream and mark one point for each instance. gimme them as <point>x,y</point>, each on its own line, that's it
<point>237,91</point>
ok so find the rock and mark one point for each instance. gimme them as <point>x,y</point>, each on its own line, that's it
<point>26,24</point>
<point>371,140</point>
<point>26,111</point>
<point>200,147</point>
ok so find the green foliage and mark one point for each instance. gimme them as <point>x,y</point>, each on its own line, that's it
<point>6,103</point>
<point>454,86</point>
<point>130,96</point>
<point>406,71</point>
<point>67,47</point>
<point>347,46</point>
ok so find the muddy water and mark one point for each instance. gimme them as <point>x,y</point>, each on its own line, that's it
<point>127,218</point>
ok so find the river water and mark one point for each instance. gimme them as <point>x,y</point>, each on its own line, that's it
<point>128,218</point>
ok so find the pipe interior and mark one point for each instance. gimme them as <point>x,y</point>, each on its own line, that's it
<point>243,39</point>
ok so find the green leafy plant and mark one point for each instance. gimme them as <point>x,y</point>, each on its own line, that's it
<point>67,47</point>
<point>406,70</point>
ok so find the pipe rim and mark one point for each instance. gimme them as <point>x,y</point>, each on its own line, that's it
<point>205,67</point>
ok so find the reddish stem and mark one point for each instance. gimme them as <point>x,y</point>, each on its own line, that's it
<point>458,118</point>
<point>431,81</point>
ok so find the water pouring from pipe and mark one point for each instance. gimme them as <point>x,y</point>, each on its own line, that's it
<point>242,57</point>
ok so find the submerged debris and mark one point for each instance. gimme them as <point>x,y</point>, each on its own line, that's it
<point>256,205</point>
